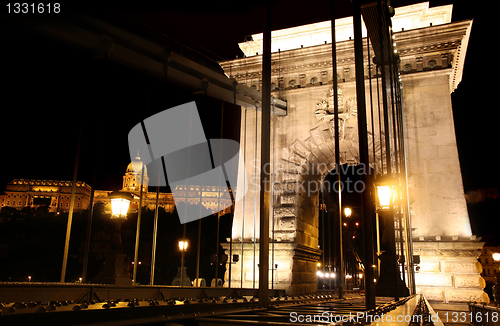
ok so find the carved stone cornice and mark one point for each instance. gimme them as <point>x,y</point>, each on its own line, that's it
<point>449,253</point>
<point>307,253</point>
<point>448,245</point>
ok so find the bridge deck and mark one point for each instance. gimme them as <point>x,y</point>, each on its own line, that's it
<point>225,310</point>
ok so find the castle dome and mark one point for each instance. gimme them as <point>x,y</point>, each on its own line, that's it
<point>133,175</point>
<point>136,165</point>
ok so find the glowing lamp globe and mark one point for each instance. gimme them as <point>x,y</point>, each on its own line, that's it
<point>183,245</point>
<point>348,212</point>
<point>386,192</point>
<point>120,202</point>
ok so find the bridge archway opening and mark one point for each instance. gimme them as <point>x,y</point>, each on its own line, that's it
<point>330,226</point>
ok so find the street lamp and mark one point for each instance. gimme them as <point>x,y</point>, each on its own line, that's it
<point>183,245</point>
<point>386,195</point>
<point>347,212</point>
<point>114,272</point>
<point>120,202</point>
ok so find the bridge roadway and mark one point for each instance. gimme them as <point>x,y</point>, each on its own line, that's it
<point>204,306</point>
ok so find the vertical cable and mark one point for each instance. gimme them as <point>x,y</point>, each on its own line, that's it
<point>393,111</point>
<point>380,129</point>
<point>322,205</point>
<point>155,232</point>
<point>243,201</point>
<point>279,73</point>
<point>138,228</point>
<point>340,254</point>
<point>218,199</point>
<point>71,205</point>
<point>384,91</point>
<point>187,200</point>
<point>198,253</point>
<point>371,104</point>
<point>265,191</point>
<point>91,207</point>
<point>255,194</point>
<point>273,267</point>
<point>331,227</point>
<point>400,166</point>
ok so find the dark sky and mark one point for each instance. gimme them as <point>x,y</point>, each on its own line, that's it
<point>49,89</point>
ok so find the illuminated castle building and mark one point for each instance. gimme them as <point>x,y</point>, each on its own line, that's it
<point>56,195</point>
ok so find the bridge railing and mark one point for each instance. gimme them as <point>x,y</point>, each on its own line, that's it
<point>40,292</point>
<point>483,315</point>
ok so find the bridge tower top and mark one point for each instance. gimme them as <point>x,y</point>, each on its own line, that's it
<point>408,18</point>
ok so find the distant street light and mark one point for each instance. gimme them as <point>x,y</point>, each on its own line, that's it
<point>347,212</point>
<point>183,245</point>
<point>496,256</point>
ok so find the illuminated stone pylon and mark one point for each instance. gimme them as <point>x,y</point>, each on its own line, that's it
<point>432,52</point>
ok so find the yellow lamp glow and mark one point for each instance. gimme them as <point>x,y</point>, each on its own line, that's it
<point>386,192</point>
<point>183,245</point>
<point>496,256</point>
<point>347,212</point>
<point>119,207</point>
<point>120,202</point>
<point>384,196</point>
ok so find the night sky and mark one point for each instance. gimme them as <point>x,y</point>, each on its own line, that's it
<point>50,90</point>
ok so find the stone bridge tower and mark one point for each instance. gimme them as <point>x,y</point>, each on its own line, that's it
<point>432,52</point>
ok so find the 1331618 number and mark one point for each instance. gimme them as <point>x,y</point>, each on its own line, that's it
<point>33,8</point>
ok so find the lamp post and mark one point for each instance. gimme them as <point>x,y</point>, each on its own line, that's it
<point>183,245</point>
<point>389,270</point>
<point>114,272</point>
